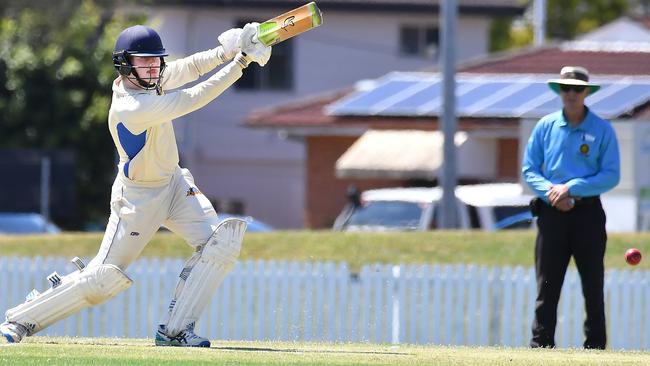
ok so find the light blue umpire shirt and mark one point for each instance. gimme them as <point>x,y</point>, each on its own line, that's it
<point>585,158</point>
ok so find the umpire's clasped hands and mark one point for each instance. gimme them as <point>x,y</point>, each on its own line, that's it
<point>559,197</point>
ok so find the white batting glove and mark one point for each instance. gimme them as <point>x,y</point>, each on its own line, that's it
<point>251,47</point>
<point>230,43</point>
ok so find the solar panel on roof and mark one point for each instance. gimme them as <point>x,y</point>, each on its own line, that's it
<point>480,106</point>
<point>360,103</point>
<point>480,92</point>
<point>406,106</point>
<point>417,88</point>
<point>552,105</point>
<point>485,95</point>
<point>515,102</point>
<point>623,101</point>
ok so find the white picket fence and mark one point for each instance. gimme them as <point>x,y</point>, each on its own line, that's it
<point>432,304</point>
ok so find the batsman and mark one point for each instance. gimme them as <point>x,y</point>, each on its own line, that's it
<point>151,189</point>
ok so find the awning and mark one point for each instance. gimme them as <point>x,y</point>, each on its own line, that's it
<point>402,154</point>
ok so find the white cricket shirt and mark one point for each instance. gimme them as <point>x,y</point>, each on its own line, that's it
<point>140,121</point>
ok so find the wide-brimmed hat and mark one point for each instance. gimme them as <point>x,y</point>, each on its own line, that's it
<point>573,75</point>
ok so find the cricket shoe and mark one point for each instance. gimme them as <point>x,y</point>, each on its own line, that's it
<point>186,338</point>
<point>13,332</point>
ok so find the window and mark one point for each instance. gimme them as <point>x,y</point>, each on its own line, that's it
<point>419,41</point>
<point>277,74</point>
<point>389,214</point>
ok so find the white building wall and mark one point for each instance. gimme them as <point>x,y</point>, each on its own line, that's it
<point>477,158</point>
<point>230,161</point>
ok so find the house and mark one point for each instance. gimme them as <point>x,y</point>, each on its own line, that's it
<point>257,171</point>
<point>495,95</point>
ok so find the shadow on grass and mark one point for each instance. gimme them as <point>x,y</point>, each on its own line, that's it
<point>296,350</point>
<point>229,348</point>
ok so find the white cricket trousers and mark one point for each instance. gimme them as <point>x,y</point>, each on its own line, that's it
<point>137,212</point>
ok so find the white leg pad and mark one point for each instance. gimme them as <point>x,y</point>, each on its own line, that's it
<point>78,290</point>
<point>216,259</point>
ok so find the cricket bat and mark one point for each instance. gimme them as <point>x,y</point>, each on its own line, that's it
<point>290,24</point>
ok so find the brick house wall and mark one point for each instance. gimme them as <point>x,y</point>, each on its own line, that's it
<point>508,161</point>
<point>326,194</point>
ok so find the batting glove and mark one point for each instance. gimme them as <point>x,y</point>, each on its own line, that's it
<point>230,43</point>
<point>251,47</point>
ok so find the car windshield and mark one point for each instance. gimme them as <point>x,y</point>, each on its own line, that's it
<point>505,212</point>
<point>390,214</point>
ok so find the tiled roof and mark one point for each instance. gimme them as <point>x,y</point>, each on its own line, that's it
<point>549,60</point>
<point>502,7</point>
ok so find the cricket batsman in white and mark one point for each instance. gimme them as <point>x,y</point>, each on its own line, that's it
<point>151,189</point>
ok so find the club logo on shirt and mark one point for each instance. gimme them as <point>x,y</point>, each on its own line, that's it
<point>584,149</point>
<point>193,191</point>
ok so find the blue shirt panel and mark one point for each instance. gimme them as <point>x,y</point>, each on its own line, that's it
<point>131,143</point>
<point>585,157</point>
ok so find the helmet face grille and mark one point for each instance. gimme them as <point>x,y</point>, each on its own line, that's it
<point>122,63</point>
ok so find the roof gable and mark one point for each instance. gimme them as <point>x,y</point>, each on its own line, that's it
<point>549,60</point>
<point>622,29</point>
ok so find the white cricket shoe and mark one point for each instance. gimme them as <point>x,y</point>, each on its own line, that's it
<point>13,332</point>
<point>186,338</point>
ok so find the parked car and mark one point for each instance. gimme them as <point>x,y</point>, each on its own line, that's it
<point>480,206</point>
<point>26,223</point>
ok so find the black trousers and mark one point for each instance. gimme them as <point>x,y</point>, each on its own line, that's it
<point>580,233</point>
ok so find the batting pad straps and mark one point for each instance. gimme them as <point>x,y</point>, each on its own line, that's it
<point>217,258</point>
<point>76,291</point>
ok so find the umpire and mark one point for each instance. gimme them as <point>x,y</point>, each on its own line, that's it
<point>570,159</point>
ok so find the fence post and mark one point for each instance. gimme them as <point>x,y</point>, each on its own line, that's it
<point>395,316</point>
<point>343,276</point>
<point>504,310</point>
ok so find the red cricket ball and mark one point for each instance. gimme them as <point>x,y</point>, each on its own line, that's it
<point>633,256</point>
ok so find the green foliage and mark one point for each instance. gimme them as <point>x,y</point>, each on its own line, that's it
<point>500,34</point>
<point>55,87</point>
<point>565,19</point>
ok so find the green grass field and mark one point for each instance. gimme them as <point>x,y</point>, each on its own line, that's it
<point>357,249</point>
<point>95,351</point>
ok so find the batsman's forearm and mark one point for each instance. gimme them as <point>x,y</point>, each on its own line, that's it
<point>150,110</point>
<point>190,68</point>
<point>204,92</point>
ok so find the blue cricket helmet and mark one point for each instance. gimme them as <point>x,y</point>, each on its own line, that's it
<point>138,40</point>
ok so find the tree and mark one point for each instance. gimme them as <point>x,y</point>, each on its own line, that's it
<point>55,88</point>
<point>565,19</point>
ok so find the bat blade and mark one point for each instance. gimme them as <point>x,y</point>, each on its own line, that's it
<point>290,24</point>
